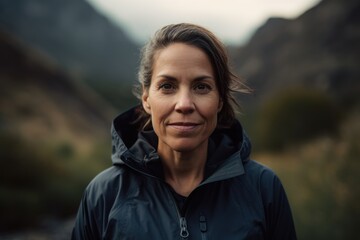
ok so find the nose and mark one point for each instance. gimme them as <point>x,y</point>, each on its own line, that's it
<point>184,103</point>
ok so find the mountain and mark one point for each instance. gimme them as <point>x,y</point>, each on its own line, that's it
<point>54,137</point>
<point>319,49</point>
<point>77,37</point>
<point>40,102</point>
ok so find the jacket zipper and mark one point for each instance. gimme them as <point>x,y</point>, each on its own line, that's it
<point>184,233</point>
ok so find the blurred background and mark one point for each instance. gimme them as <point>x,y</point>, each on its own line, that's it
<point>67,69</point>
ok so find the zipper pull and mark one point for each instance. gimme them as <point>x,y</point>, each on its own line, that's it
<point>183,228</point>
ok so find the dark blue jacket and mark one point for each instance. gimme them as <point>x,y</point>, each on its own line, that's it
<point>238,199</point>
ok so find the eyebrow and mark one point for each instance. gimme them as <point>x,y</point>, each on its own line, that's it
<point>166,77</point>
<point>199,78</point>
<point>205,77</point>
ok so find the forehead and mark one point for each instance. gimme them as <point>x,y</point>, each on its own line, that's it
<point>181,49</point>
<point>181,56</point>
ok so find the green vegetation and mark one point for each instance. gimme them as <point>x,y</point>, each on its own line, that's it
<point>321,179</point>
<point>312,143</point>
<point>42,181</point>
<point>295,116</point>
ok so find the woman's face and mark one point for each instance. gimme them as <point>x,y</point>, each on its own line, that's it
<point>182,99</point>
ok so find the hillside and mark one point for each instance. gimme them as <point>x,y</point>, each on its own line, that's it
<point>78,38</point>
<point>54,137</point>
<point>40,102</point>
<point>318,50</point>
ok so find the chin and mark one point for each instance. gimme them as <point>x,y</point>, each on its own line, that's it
<point>185,145</point>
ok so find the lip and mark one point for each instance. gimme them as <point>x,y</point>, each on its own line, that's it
<point>184,126</point>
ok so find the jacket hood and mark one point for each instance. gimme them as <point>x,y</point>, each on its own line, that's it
<point>137,149</point>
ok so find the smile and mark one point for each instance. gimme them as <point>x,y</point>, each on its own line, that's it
<point>184,126</point>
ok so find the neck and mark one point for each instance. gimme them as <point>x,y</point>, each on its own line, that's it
<point>184,171</point>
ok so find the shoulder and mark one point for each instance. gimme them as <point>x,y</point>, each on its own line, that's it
<point>96,203</point>
<point>258,171</point>
<point>105,185</point>
<point>263,178</point>
<point>279,222</point>
<point>106,178</point>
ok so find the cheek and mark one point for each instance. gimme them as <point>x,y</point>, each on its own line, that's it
<point>210,107</point>
<point>209,111</point>
<point>158,114</point>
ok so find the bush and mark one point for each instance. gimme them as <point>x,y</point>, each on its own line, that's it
<point>36,182</point>
<point>295,116</point>
<point>322,182</point>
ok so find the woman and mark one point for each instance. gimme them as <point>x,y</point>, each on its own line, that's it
<point>181,167</point>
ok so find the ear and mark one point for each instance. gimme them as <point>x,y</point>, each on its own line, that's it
<point>145,103</point>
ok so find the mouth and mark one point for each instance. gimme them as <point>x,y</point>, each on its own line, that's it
<point>184,126</point>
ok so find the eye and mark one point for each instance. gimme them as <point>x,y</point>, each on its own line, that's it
<point>166,87</point>
<point>202,88</point>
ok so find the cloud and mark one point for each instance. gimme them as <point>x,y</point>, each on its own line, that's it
<point>232,20</point>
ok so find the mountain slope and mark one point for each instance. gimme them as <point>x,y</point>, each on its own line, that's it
<point>73,33</point>
<point>54,137</point>
<point>81,40</point>
<point>41,103</point>
<point>318,50</point>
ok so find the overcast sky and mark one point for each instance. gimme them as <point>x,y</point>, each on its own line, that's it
<point>233,21</point>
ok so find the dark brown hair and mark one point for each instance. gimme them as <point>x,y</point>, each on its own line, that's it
<point>194,35</point>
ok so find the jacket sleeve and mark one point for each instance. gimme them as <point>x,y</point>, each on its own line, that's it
<point>86,226</point>
<point>279,220</point>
